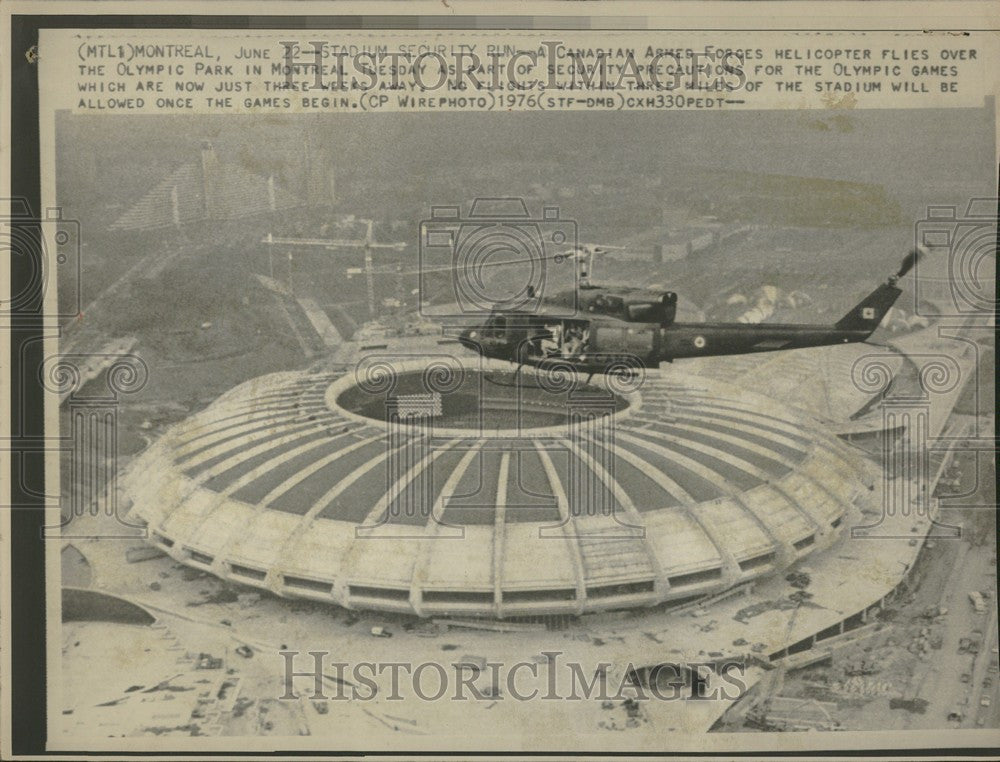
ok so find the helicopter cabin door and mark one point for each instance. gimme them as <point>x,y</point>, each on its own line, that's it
<point>560,339</point>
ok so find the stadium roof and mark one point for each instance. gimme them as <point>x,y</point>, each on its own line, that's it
<point>453,491</point>
<point>831,383</point>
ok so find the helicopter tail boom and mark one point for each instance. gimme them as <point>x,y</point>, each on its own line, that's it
<point>867,315</point>
<point>870,311</point>
<point>706,339</point>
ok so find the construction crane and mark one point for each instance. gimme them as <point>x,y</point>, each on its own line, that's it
<point>367,244</point>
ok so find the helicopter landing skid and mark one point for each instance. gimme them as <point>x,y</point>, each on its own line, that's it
<point>517,371</point>
<point>516,378</point>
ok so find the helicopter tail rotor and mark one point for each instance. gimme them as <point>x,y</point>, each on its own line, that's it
<point>907,264</point>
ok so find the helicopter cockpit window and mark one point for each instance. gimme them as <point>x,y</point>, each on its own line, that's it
<point>608,305</point>
<point>646,312</point>
<point>496,326</point>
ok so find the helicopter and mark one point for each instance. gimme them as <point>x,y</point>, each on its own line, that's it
<point>620,329</point>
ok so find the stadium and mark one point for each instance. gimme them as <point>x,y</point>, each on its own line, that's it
<point>439,487</point>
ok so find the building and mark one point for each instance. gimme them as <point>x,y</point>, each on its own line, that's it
<point>208,189</point>
<point>433,488</point>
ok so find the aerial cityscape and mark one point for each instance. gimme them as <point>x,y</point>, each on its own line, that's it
<point>314,450</point>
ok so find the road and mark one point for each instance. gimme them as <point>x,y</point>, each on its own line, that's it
<point>941,685</point>
<point>985,716</point>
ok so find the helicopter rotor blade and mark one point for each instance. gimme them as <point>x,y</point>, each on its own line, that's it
<point>908,262</point>
<point>556,258</point>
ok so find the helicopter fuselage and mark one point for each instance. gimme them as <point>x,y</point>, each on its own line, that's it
<point>608,331</point>
<point>592,346</point>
